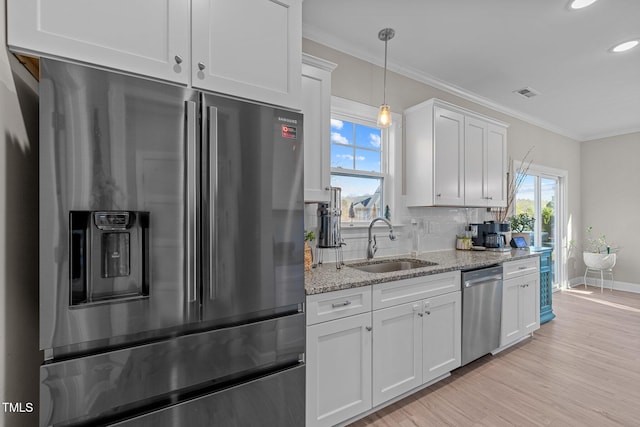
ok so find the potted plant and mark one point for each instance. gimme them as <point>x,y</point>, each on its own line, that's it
<point>309,236</point>
<point>598,253</point>
<point>522,226</point>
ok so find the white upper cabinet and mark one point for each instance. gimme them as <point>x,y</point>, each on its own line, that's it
<point>475,159</point>
<point>496,182</point>
<point>448,165</point>
<point>316,107</point>
<point>149,38</point>
<point>454,157</point>
<point>250,49</point>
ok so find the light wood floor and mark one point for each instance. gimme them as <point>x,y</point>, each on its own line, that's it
<point>580,369</point>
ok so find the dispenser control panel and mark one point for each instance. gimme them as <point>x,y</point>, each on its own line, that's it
<point>111,220</point>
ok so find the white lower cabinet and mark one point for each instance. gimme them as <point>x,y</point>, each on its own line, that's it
<point>338,360</point>
<point>520,300</point>
<point>397,349</point>
<point>442,335</point>
<point>368,345</point>
<point>415,343</point>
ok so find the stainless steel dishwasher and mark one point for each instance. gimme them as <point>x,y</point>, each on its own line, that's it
<point>481,312</point>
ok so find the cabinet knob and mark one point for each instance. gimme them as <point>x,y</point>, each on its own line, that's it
<point>439,195</point>
<point>369,328</point>
<point>420,314</point>
<point>428,312</point>
<point>489,198</point>
<point>178,59</point>
<point>201,66</point>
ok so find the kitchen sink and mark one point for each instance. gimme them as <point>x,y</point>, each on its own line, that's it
<point>386,266</point>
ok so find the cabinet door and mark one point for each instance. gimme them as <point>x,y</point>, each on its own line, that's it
<point>338,370</point>
<point>316,107</point>
<point>143,37</point>
<point>529,300</point>
<point>397,350</point>
<point>448,162</point>
<point>496,172</point>
<point>251,49</point>
<point>475,163</point>
<point>442,335</point>
<point>510,322</point>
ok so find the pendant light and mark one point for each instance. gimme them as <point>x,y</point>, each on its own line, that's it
<point>384,115</point>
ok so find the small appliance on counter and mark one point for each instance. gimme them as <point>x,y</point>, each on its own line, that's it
<point>329,230</point>
<point>492,235</point>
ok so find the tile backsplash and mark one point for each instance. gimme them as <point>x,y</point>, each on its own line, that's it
<point>427,229</point>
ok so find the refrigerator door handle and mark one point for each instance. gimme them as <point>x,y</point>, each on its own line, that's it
<point>191,204</point>
<point>213,188</point>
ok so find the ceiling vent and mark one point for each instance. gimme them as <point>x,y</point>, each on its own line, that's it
<point>527,92</point>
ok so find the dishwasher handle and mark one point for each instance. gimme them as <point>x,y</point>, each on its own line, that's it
<point>482,280</point>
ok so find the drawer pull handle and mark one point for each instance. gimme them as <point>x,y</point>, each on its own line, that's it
<point>369,328</point>
<point>341,304</point>
<point>522,268</point>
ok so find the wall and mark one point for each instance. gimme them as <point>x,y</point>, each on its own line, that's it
<point>362,82</point>
<point>610,199</point>
<point>19,355</point>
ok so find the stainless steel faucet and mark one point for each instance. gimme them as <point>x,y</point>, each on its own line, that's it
<point>372,246</point>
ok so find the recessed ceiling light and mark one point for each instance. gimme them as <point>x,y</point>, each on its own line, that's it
<point>623,47</point>
<point>579,4</point>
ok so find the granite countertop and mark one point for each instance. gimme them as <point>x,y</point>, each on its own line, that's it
<point>326,278</point>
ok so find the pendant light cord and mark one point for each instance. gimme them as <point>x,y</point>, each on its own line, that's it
<point>384,95</point>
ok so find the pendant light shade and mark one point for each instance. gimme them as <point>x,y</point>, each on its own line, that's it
<point>384,114</point>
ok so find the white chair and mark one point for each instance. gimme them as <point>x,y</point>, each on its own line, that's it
<point>599,263</point>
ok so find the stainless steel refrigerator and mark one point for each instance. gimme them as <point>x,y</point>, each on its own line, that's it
<point>171,255</point>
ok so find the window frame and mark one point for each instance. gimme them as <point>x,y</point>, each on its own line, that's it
<point>366,115</point>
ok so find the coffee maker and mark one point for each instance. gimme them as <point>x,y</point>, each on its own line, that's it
<point>492,235</point>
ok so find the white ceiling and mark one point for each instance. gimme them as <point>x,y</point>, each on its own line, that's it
<point>483,50</point>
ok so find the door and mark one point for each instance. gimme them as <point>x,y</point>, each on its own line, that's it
<point>542,195</point>
<point>141,37</point>
<point>338,370</point>
<point>397,349</point>
<point>111,142</point>
<point>251,49</point>
<point>496,172</point>
<point>530,303</point>
<point>511,306</point>
<point>475,167</point>
<point>253,196</point>
<point>442,331</point>
<point>448,162</point>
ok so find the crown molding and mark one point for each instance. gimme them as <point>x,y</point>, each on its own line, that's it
<point>316,35</point>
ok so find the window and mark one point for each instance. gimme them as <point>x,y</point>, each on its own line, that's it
<point>359,166</point>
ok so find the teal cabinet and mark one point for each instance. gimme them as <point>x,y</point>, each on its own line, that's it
<point>546,285</point>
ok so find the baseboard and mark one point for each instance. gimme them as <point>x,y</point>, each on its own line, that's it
<point>617,285</point>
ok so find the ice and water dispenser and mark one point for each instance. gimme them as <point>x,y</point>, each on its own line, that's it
<point>109,256</point>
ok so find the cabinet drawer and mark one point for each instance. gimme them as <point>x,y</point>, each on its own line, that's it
<point>521,267</point>
<point>407,290</point>
<point>338,304</point>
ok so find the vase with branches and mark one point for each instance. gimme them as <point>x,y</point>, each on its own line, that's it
<point>514,181</point>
